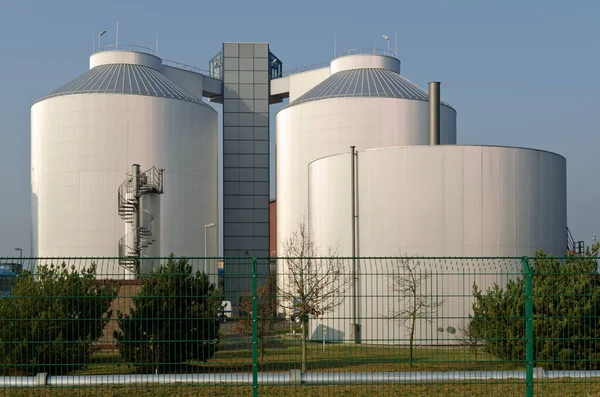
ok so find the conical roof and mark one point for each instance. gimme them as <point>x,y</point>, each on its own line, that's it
<point>121,78</point>
<point>364,82</point>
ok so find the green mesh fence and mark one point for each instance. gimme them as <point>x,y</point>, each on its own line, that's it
<point>300,326</point>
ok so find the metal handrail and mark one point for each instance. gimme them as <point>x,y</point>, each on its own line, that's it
<point>147,221</point>
<point>577,247</point>
<point>189,68</point>
<point>372,51</point>
<point>125,190</point>
<point>570,239</point>
<point>152,177</point>
<point>126,251</point>
<point>352,51</point>
<point>306,68</point>
<point>122,202</point>
<point>147,224</point>
<point>126,47</point>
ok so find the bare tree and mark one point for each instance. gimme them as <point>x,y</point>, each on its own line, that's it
<point>407,281</point>
<point>311,285</point>
<point>266,315</point>
<point>469,336</point>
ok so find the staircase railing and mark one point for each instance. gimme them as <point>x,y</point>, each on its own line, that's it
<point>575,247</point>
<point>128,254</point>
<point>151,181</point>
<point>129,193</point>
<point>126,201</point>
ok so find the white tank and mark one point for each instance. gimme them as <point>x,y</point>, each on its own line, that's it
<point>86,135</point>
<point>436,201</point>
<point>366,103</point>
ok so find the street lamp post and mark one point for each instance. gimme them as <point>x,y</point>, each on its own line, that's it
<point>100,35</point>
<point>205,232</point>
<point>387,38</point>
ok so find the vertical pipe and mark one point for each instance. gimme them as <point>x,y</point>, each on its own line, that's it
<point>136,194</point>
<point>355,325</point>
<point>434,113</point>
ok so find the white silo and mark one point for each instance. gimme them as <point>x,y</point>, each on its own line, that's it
<point>435,201</point>
<point>86,135</point>
<point>365,102</point>
<point>416,194</point>
<point>442,201</point>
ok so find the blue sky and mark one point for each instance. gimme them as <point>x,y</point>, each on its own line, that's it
<point>519,73</point>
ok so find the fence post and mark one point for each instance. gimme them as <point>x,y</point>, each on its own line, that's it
<point>254,328</point>
<point>528,327</point>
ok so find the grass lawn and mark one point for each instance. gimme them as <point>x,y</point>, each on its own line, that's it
<point>335,358</point>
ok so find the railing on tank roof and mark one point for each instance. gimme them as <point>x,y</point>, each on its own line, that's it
<point>366,51</point>
<point>353,51</point>
<point>126,47</point>
<point>146,50</point>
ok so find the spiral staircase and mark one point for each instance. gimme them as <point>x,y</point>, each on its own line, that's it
<point>136,185</point>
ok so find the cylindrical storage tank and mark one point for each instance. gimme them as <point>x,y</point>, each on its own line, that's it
<point>435,201</point>
<point>86,135</point>
<point>366,103</point>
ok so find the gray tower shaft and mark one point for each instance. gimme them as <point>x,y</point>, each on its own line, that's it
<point>245,162</point>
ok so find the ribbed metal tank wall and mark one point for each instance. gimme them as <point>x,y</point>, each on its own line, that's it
<point>85,138</point>
<point>366,103</point>
<point>475,201</point>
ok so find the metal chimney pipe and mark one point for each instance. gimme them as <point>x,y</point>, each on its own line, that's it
<point>434,113</point>
<point>355,325</point>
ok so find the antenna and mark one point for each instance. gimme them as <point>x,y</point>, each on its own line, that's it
<point>395,45</point>
<point>334,45</point>
<point>117,43</point>
<point>157,42</point>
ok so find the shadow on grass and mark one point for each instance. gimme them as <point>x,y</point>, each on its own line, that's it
<point>279,357</point>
